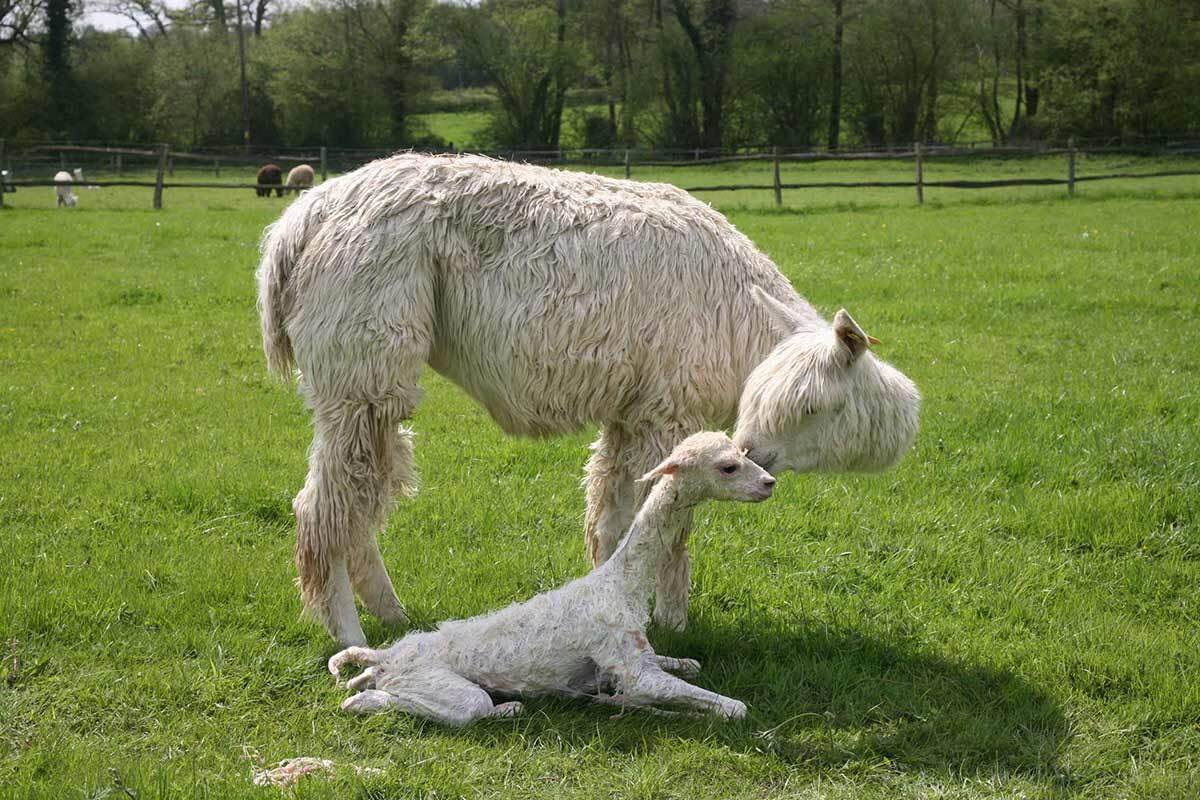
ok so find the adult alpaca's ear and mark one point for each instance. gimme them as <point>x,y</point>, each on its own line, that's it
<point>783,319</point>
<point>668,467</point>
<point>850,335</point>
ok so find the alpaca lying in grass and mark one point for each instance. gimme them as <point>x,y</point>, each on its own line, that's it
<point>585,639</point>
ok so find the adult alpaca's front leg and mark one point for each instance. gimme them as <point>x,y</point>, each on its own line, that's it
<point>674,577</point>
<point>618,459</point>
<point>611,494</point>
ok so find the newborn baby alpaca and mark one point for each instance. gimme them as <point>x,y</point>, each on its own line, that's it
<point>585,639</point>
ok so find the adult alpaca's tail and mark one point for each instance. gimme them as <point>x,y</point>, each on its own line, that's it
<point>282,244</point>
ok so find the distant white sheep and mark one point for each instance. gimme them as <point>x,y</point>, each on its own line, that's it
<point>585,639</point>
<point>300,178</point>
<point>555,299</point>
<point>64,194</point>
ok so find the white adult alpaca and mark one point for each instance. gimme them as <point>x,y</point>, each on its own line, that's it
<point>64,194</point>
<point>555,299</point>
<point>299,178</point>
<point>585,639</point>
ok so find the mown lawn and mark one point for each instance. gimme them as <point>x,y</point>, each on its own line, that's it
<point>1012,612</point>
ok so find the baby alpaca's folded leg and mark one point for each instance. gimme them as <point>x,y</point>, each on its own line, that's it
<point>436,693</point>
<point>680,666</point>
<point>371,701</point>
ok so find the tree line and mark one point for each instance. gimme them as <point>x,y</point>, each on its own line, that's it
<point>601,73</point>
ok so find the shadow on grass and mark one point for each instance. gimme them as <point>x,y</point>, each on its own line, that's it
<point>828,699</point>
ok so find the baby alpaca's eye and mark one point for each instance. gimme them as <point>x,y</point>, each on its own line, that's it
<point>729,469</point>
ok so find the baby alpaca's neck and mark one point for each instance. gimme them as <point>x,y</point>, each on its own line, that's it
<point>649,540</point>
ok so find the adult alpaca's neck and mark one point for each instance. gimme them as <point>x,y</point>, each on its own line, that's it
<point>650,538</point>
<point>756,334</point>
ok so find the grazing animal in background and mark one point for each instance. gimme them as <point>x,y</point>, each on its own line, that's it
<point>585,639</point>
<point>555,299</point>
<point>65,195</point>
<point>300,178</point>
<point>269,176</point>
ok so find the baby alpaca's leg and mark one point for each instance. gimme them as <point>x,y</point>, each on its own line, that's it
<point>655,686</point>
<point>371,701</point>
<point>680,666</point>
<point>433,693</point>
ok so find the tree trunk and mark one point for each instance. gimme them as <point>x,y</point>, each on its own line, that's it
<point>710,41</point>
<point>1022,44</point>
<point>835,100</point>
<point>58,64</point>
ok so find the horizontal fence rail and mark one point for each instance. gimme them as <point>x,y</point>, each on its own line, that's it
<point>49,156</point>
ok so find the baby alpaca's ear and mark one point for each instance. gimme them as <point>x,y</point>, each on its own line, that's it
<point>668,467</point>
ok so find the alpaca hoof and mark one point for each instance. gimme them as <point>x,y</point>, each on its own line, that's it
<point>350,638</point>
<point>365,680</point>
<point>688,668</point>
<point>733,710</point>
<point>672,619</point>
<point>394,616</point>
<point>508,709</point>
<point>371,701</point>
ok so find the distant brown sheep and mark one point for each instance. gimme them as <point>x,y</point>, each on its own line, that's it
<point>300,177</point>
<point>269,175</point>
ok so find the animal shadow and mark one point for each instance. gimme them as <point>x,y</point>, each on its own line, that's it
<point>830,698</point>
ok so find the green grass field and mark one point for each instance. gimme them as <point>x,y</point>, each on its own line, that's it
<point>1012,612</point>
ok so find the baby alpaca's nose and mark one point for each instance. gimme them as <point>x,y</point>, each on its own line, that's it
<point>768,481</point>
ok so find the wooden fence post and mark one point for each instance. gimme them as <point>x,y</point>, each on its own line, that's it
<point>171,167</point>
<point>216,167</point>
<point>920,173</point>
<point>778,182</point>
<point>118,163</point>
<point>323,164</point>
<point>158,181</point>
<point>627,166</point>
<point>1071,166</point>
<point>62,160</point>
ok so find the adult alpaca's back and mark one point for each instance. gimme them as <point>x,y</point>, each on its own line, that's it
<point>555,299</point>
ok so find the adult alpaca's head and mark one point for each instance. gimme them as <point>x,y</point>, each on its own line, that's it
<point>821,401</point>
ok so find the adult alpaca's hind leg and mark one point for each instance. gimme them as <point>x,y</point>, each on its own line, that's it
<point>354,467</point>
<point>368,574</point>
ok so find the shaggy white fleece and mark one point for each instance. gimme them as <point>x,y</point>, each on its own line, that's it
<point>585,639</point>
<point>555,299</point>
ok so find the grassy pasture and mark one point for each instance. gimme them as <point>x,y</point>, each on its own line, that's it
<point>1012,612</point>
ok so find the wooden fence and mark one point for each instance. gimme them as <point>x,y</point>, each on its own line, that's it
<point>164,160</point>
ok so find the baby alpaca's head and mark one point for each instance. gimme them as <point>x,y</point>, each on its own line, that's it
<point>709,465</point>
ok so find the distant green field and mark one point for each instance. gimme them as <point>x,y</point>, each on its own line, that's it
<point>1012,612</point>
<point>463,129</point>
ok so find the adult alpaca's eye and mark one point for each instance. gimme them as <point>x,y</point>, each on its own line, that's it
<point>729,469</point>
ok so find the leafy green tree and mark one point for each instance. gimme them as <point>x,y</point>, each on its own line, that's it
<point>56,53</point>
<point>523,49</point>
<point>778,81</point>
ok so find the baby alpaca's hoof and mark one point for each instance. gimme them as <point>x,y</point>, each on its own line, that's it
<point>371,701</point>
<point>733,709</point>
<point>508,709</point>
<point>688,668</point>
